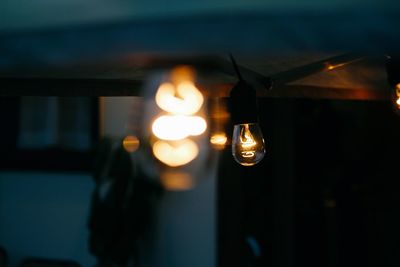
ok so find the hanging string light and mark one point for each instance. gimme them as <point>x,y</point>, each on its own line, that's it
<point>248,147</point>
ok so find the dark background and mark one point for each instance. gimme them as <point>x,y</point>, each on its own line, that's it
<point>326,194</point>
<point>54,158</point>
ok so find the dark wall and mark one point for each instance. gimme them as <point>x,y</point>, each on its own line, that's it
<point>326,193</point>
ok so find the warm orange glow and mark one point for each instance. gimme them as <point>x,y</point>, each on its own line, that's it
<point>248,146</point>
<point>246,138</point>
<point>169,128</point>
<point>177,181</point>
<point>195,125</point>
<point>247,142</point>
<point>175,155</point>
<point>131,143</point>
<point>182,74</point>
<point>332,67</point>
<point>177,127</point>
<point>398,102</point>
<point>398,86</point>
<point>183,99</point>
<point>218,140</point>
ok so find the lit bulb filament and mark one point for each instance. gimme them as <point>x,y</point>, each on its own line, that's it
<point>247,142</point>
<point>248,154</point>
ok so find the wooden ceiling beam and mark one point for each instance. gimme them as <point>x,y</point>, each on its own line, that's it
<point>68,87</point>
<point>114,87</point>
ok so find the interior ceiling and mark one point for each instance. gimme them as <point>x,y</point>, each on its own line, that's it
<point>21,14</point>
<point>285,42</point>
<point>136,67</point>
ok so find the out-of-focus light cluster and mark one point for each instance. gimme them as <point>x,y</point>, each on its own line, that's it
<point>181,101</point>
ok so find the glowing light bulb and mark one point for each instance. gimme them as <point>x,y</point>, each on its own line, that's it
<point>181,103</point>
<point>248,146</point>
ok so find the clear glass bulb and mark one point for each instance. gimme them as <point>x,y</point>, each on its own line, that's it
<point>248,146</point>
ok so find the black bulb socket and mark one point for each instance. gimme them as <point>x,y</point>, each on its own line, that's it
<point>243,104</point>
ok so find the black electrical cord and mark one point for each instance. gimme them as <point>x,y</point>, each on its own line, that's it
<point>235,66</point>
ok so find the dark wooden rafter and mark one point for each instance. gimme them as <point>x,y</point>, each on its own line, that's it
<point>127,87</point>
<point>315,67</point>
<point>106,87</point>
<point>68,87</point>
<point>316,92</point>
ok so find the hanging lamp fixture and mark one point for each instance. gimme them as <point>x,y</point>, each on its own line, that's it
<point>248,146</point>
